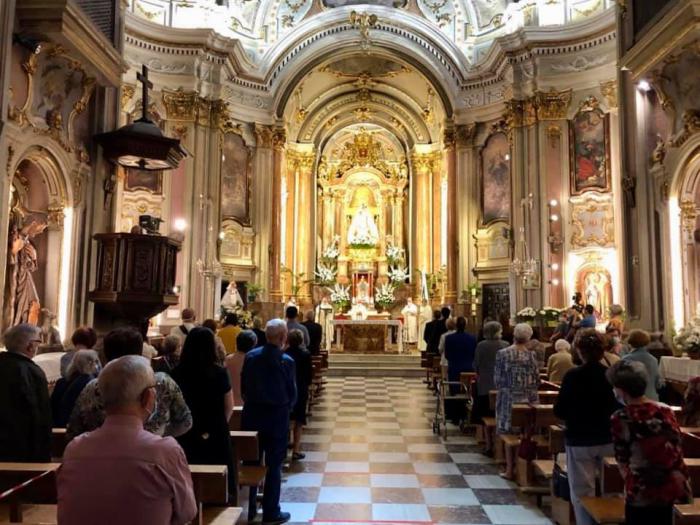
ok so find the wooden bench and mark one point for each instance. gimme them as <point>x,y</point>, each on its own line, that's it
<point>235,421</point>
<point>612,478</point>
<point>221,515</point>
<point>686,514</point>
<point>605,511</point>
<point>250,473</point>
<point>58,442</point>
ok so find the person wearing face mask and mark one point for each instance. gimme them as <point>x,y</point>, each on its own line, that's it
<point>648,449</point>
<point>171,417</point>
<point>585,403</point>
<point>120,473</point>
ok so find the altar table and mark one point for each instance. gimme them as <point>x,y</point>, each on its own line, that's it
<point>678,368</point>
<point>368,337</point>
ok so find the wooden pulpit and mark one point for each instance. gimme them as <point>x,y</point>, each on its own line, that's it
<point>135,276</point>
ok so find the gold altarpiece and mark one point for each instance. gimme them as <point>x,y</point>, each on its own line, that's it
<point>362,203</point>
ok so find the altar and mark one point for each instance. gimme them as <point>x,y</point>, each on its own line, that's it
<point>372,336</point>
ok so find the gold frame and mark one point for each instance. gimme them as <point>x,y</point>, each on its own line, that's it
<point>579,238</point>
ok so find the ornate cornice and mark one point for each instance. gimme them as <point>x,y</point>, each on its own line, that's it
<point>553,105</point>
<point>180,105</point>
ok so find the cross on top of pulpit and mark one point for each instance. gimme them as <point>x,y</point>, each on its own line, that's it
<point>145,85</point>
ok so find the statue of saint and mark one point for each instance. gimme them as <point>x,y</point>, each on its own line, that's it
<point>232,298</point>
<point>363,229</point>
<point>21,298</point>
<point>363,291</point>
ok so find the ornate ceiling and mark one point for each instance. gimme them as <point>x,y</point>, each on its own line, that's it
<point>471,24</point>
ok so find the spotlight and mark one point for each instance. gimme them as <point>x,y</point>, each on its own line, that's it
<point>553,203</point>
<point>33,46</point>
<point>555,266</point>
<point>643,85</point>
<point>180,225</point>
<point>554,217</point>
<point>555,282</point>
<point>222,235</point>
<point>507,157</point>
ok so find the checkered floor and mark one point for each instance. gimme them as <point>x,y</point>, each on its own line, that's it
<point>371,457</point>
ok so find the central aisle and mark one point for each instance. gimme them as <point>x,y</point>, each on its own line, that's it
<point>371,457</point>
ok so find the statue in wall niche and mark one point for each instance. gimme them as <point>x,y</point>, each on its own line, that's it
<point>21,298</point>
<point>363,230</point>
<point>232,300</point>
<point>595,286</point>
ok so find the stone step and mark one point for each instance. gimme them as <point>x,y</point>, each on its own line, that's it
<point>374,365</point>
<point>366,371</point>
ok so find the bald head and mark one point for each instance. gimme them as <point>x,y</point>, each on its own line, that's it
<point>125,386</point>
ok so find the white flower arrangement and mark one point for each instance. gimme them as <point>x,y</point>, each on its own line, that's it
<point>527,313</point>
<point>384,295</point>
<point>332,251</point>
<point>398,274</point>
<point>340,295</point>
<point>394,253</point>
<point>325,274</point>
<point>688,338</point>
<point>363,240</point>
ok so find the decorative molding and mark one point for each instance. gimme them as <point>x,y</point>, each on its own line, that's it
<point>552,104</point>
<point>263,135</point>
<point>127,93</point>
<point>180,105</point>
<point>279,138</point>
<point>593,224</point>
<point>609,91</point>
<point>465,134</point>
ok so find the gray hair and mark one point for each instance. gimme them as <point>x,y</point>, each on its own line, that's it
<point>522,333</point>
<point>246,340</point>
<point>562,345</point>
<point>171,344</point>
<point>275,328</point>
<point>83,362</point>
<point>629,376</point>
<point>493,330</point>
<point>17,338</point>
<point>123,380</point>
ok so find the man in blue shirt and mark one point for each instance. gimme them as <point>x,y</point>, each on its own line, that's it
<point>269,392</point>
<point>589,320</point>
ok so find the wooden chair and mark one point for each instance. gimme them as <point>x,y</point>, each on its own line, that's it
<point>251,473</point>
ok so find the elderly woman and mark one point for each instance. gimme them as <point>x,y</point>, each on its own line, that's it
<point>303,367</point>
<point>516,375</point>
<point>638,341</point>
<point>560,362</point>
<point>171,350</point>
<point>82,369</point>
<point>84,338</point>
<point>585,403</point>
<point>484,363</point>
<point>647,441</point>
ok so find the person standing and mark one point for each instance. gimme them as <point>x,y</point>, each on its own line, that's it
<point>171,349</point>
<point>25,409</point>
<point>428,334</point>
<point>589,320</point>
<point>585,403</point>
<point>304,374</point>
<point>258,330</point>
<point>188,323</point>
<point>229,333</point>
<point>120,473</point>
<point>410,320</point>
<point>83,368</point>
<point>459,351</point>
<point>638,341</point>
<point>517,376</point>
<point>291,313</point>
<point>206,387</point>
<point>268,387</point>
<point>245,342</point>
<point>324,316</point>
<point>315,333</point>
<point>648,449</point>
<point>84,338</point>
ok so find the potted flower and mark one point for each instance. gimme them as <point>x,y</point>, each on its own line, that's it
<point>526,315</point>
<point>688,339</point>
<point>398,275</point>
<point>384,296</point>
<point>253,290</point>
<point>549,316</point>
<point>340,297</point>
<point>325,275</point>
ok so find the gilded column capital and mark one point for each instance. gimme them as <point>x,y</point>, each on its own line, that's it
<point>55,215</point>
<point>465,134</point>
<point>204,111</point>
<point>689,214</point>
<point>127,93</point>
<point>449,137</point>
<point>609,91</point>
<point>303,160</point>
<point>552,104</point>
<point>263,135</point>
<point>279,138</point>
<point>180,104</point>
<point>425,162</point>
<point>513,116</point>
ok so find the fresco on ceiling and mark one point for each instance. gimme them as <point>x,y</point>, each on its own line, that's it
<point>590,151</point>
<point>385,3</point>
<point>235,171</point>
<point>495,182</point>
<point>441,14</point>
<point>290,13</point>
<point>362,65</point>
<point>486,10</point>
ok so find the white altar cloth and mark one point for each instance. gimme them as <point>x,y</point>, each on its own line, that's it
<point>678,368</point>
<point>393,325</point>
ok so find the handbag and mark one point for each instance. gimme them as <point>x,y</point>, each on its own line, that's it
<point>560,483</point>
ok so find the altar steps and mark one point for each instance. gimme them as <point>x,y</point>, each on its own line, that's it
<point>374,365</point>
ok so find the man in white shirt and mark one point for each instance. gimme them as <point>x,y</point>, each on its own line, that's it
<point>181,331</point>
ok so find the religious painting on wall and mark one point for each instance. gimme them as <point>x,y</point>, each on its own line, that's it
<point>495,179</point>
<point>235,172</point>
<point>594,284</point>
<point>590,149</point>
<point>150,181</point>
<point>593,224</point>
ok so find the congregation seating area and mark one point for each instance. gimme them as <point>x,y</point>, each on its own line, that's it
<point>28,490</point>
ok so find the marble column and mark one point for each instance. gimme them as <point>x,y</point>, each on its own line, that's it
<point>263,184</point>
<point>467,195</point>
<point>453,245</point>
<point>422,171</point>
<point>303,244</point>
<point>279,141</point>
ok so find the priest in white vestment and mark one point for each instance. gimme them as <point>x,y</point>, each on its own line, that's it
<point>410,321</point>
<point>324,317</point>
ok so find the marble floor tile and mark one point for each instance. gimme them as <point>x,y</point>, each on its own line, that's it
<point>338,479</point>
<point>394,480</point>
<point>347,466</point>
<point>301,512</point>
<point>515,515</point>
<point>389,457</point>
<point>489,482</point>
<point>423,467</point>
<point>400,512</point>
<point>444,496</point>
<point>345,495</point>
<point>394,495</point>
<point>343,511</point>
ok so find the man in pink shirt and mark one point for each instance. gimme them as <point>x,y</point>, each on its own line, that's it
<point>120,473</point>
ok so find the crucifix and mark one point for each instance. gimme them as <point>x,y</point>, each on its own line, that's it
<point>145,85</point>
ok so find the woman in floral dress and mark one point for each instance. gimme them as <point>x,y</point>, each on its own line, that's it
<point>517,376</point>
<point>648,450</point>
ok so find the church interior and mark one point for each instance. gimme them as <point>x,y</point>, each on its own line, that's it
<point>376,168</point>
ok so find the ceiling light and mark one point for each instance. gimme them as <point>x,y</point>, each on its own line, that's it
<point>643,85</point>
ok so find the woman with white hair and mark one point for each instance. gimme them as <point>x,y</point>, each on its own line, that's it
<point>516,375</point>
<point>82,369</point>
<point>560,362</point>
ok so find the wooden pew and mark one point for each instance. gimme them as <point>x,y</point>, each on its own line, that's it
<point>605,511</point>
<point>235,422</point>
<point>612,478</point>
<point>58,442</point>
<point>251,474</point>
<point>687,514</point>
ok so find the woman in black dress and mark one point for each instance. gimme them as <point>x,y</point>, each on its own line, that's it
<point>206,388</point>
<point>304,372</point>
